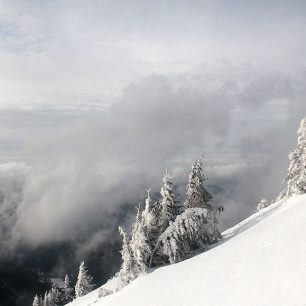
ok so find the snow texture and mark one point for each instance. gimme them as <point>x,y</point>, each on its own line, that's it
<point>261,261</point>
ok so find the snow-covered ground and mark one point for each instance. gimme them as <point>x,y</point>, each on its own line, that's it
<point>260,262</point>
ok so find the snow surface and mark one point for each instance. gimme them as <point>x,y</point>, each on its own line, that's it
<point>261,261</point>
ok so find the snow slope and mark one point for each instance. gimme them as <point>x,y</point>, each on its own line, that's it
<point>261,261</point>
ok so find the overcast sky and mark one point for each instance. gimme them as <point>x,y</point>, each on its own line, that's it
<point>86,52</point>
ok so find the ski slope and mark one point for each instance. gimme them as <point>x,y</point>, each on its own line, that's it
<point>260,262</point>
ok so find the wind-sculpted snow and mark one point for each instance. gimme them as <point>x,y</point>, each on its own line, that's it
<point>261,261</point>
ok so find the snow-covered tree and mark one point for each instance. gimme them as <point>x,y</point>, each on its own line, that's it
<point>45,300</point>
<point>263,203</point>
<point>301,182</point>
<point>48,299</point>
<point>56,295</point>
<point>150,221</point>
<point>128,265</point>
<point>197,195</point>
<point>280,196</point>
<point>84,283</point>
<point>139,245</point>
<point>296,172</point>
<point>193,229</point>
<point>164,233</point>
<point>36,301</point>
<point>68,290</point>
<point>169,205</point>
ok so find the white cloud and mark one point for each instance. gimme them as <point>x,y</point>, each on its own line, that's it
<point>76,51</point>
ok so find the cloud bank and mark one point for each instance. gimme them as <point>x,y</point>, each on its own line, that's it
<point>81,173</point>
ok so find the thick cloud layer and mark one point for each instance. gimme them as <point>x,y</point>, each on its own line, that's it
<point>81,173</point>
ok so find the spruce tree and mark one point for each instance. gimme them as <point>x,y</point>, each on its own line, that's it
<point>45,300</point>
<point>296,182</point>
<point>150,220</point>
<point>84,283</point>
<point>36,301</point>
<point>68,290</point>
<point>197,195</point>
<point>41,300</point>
<point>194,229</point>
<point>56,295</point>
<point>263,203</point>
<point>139,245</point>
<point>169,206</point>
<point>48,299</point>
<point>128,263</point>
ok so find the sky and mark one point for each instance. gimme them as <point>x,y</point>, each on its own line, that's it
<point>86,52</point>
<point>98,98</point>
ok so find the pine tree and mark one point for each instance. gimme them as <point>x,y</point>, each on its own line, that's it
<point>45,300</point>
<point>150,221</point>
<point>296,171</point>
<point>139,245</point>
<point>68,290</point>
<point>41,300</point>
<point>169,206</point>
<point>127,265</point>
<point>197,195</point>
<point>263,203</point>
<point>280,196</point>
<point>193,229</point>
<point>56,295</point>
<point>36,301</point>
<point>129,268</point>
<point>51,297</point>
<point>147,216</point>
<point>48,299</point>
<point>84,283</point>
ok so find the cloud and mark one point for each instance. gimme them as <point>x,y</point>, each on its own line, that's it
<point>86,170</point>
<point>76,51</point>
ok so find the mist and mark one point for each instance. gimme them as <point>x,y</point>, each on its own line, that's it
<point>78,175</point>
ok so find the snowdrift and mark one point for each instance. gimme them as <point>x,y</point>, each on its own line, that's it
<point>261,261</point>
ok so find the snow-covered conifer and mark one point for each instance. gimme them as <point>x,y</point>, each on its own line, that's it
<point>129,268</point>
<point>263,203</point>
<point>128,262</point>
<point>150,221</point>
<point>139,245</point>
<point>296,172</point>
<point>56,295</point>
<point>36,301</point>
<point>84,283</point>
<point>68,290</point>
<point>146,216</point>
<point>197,195</point>
<point>193,229</point>
<point>45,299</point>
<point>48,299</point>
<point>281,196</point>
<point>169,205</point>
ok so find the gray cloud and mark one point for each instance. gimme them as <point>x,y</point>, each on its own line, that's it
<point>76,51</point>
<point>86,171</point>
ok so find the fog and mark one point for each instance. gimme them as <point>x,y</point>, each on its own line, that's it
<point>76,174</point>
